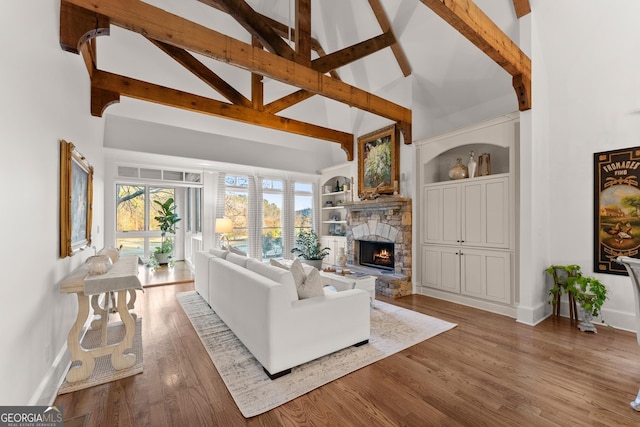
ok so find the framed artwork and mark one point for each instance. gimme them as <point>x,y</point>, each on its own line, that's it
<point>616,208</point>
<point>76,198</point>
<point>378,161</point>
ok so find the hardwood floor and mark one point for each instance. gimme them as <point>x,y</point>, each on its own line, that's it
<point>164,275</point>
<point>489,370</point>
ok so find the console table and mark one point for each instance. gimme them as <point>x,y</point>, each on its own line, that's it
<point>121,280</point>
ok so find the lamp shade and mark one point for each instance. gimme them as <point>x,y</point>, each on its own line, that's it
<point>224,225</point>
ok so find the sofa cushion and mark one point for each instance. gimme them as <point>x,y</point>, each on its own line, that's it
<point>236,251</point>
<point>237,259</point>
<point>276,274</point>
<point>220,253</point>
<point>309,284</point>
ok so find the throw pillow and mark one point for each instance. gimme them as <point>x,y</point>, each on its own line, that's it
<point>298,274</point>
<point>312,286</point>
<point>282,276</point>
<point>236,251</point>
<point>220,253</point>
<point>237,259</point>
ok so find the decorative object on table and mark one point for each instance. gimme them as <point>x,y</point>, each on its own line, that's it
<point>111,252</point>
<point>167,219</point>
<point>98,264</point>
<point>335,216</point>
<point>307,247</point>
<point>76,199</point>
<point>472,164</point>
<point>378,161</point>
<point>484,164</point>
<point>616,228</point>
<point>370,194</point>
<point>328,204</point>
<point>458,171</point>
<point>327,189</point>
<point>342,258</point>
<point>338,187</point>
<point>588,292</point>
<point>224,226</point>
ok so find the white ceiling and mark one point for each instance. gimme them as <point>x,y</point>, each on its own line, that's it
<point>453,83</point>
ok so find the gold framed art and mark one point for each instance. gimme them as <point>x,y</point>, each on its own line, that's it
<point>76,199</point>
<point>378,161</point>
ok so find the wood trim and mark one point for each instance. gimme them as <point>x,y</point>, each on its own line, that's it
<point>126,86</point>
<point>475,25</point>
<point>522,7</point>
<point>396,47</point>
<point>160,25</point>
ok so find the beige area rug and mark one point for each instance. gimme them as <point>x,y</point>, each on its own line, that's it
<point>392,329</point>
<point>104,372</point>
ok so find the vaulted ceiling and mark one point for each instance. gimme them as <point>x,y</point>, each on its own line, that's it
<point>299,73</point>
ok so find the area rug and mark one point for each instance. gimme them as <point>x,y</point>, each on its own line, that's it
<point>392,329</point>
<point>104,372</point>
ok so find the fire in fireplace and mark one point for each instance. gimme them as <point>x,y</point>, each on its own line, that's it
<point>377,254</point>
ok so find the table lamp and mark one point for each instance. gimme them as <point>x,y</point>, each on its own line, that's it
<point>224,226</point>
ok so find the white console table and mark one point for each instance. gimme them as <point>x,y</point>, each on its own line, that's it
<point>122,280</point>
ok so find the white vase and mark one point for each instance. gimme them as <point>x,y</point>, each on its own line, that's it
<point>472,165</point>
<point>342,258</point>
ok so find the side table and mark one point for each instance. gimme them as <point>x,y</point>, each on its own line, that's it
<point>121,279</point>
<point>351,281</point>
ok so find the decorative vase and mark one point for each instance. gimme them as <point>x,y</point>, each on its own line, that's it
<point>317,263</point>
<point>484,164</point>
<point>472,164</point>
<point>342,258</point>
<point>99,264</point>
<point>459,171</point>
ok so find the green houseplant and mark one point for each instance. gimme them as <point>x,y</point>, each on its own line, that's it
<point>309,249</point>
<point>167,219</point>
<point>589,292</point>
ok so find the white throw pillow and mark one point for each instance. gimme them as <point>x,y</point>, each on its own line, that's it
<point>220,253</point>
<point>237,259</point>
<point>282,276</point>
<point>234,250</point>
<point>312,286</point>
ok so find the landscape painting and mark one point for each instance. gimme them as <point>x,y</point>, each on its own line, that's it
<point>616,208</point>
<point>378,161</point>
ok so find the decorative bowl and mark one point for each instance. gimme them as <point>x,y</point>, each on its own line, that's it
<point>98,264</point>
<point>111,252</point>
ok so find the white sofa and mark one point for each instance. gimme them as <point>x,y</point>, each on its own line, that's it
<point>260,305</point>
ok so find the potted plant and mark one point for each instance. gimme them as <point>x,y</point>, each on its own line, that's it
<point>309,249</point>
<point>167,219</point>
<point>591,294</point>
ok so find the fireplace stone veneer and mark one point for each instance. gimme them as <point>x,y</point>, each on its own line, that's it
<point>386,219</point>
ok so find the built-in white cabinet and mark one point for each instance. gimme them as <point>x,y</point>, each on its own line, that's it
<point>336,186</point>
<point>468,240</point>
<point>473,212</point>
<point>334,243</point>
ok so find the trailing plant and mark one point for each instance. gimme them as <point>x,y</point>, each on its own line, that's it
<point>308,246</point>
<point>560,281</point>
<point>167,219</point>
<point>589,292</point>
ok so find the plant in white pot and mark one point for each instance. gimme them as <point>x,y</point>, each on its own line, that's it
<point>591,294</point>
<point>167,219</point>
<point>309,249</point>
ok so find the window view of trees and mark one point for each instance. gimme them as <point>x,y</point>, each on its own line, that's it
<point>236,208</point>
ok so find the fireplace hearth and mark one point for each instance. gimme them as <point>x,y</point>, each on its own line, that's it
<point>377,254</point>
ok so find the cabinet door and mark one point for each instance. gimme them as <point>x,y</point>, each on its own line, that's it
<point>331,258</point>
<point>441,268</point>
<point>486,274</point>
<point>441,214</point>
<point>485,213</point>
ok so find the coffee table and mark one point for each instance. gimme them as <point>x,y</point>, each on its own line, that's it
<point>351,281</point>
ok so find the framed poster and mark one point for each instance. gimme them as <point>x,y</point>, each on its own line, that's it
<point>616,208</point>
<point>378,161</point>
<point>76,198</point>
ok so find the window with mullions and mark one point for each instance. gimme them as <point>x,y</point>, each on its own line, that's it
<point>303,206</point>
<point>236,208</point>
<point>272,218</point>
<point>137,231</point>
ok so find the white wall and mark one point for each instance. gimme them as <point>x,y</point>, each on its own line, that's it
<point>45,98</point>
<point>586,99</point>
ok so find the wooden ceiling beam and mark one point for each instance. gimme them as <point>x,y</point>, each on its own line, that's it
<point>110,83</point>
<point>78,25</point>
<point>396,48</point>
<point>160,25</point>
<point>303,32</point>
<point>201,71</point>
<point>479,29</point>
<point>522,8</point>
<point>257,26</point>
<point>350,54</point>
<point>287,101</point>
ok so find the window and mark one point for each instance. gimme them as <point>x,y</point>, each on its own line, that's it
<point>303,206</point>
<point>137,231</point>
<point>272,218</point>
<point>236,208</point>
<point>194,210</point>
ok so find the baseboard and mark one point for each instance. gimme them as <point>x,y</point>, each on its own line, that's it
<point>47,390</point>
<point>505,310</point>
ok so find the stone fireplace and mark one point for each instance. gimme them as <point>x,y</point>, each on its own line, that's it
<point>379,242</point>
